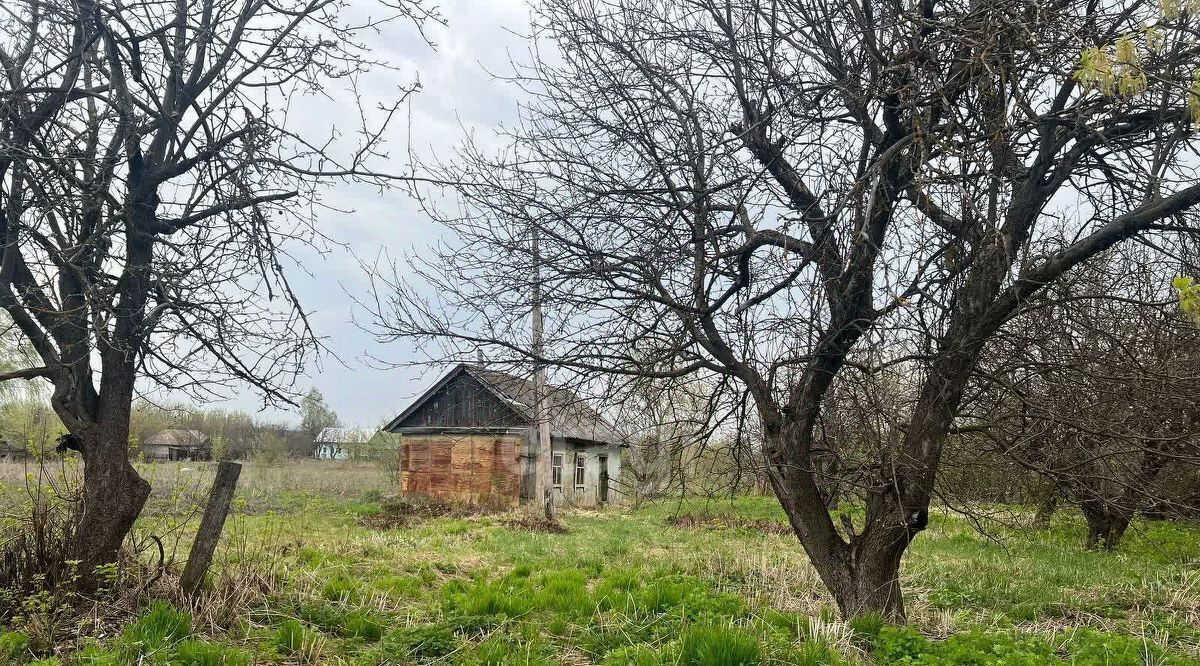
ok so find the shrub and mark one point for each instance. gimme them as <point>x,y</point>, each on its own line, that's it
<point>35,560</point>
<point>714,645</point>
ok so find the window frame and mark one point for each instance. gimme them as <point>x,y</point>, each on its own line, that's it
<point>556,469</point>
<point>580,477</point>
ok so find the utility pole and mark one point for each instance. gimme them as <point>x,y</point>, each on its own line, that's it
<point>544,461</point>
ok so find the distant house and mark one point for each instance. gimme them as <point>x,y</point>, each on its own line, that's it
<point>341,443</point>
<point>10,452</point>
<point>472,436</point>
<point>178,445</point>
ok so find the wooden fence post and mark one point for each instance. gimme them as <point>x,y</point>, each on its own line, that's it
<point>210,526</point>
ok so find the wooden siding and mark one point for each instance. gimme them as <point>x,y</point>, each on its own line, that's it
<point>464,403</point>
<point>481,468</point>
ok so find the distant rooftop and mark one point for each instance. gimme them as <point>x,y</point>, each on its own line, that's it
<point>179,438</point>
<point>344,436</point>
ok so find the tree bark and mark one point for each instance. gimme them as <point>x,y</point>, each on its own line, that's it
<point>113,496</point>
<point>1041,519</point>
<point>1106,524</point>
<point>863,572</point>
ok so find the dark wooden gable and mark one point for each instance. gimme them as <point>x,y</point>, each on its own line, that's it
<point>461,402</point>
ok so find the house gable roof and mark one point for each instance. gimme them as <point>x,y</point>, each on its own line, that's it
<point>179,438</point>
<point>570,416</point>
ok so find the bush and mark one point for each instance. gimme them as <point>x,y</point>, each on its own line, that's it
<point>714,645</point>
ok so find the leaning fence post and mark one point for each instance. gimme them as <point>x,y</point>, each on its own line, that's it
<point>210,526</point>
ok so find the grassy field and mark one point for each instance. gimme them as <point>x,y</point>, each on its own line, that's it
<point>311,571</point>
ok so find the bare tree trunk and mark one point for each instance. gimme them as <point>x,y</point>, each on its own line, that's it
<point>862,574</point>
<point>1106,523</point>
<point>113,497</point>
<point>1041,519</point>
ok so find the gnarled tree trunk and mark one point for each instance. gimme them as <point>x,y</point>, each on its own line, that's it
<point>113,497</point>
<point>1106,523</point>
<point>1041,519</point>
<point>861,570</point>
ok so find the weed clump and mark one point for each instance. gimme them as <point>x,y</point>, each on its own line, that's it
<point>420,642</point>
<point>13,647</point>
<point>715,645</point>
<point>160,627</point>
<point>290,637</point>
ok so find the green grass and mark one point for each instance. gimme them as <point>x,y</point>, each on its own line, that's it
<point>622,587</point>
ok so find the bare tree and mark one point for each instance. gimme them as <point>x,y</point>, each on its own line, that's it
<point>1091,387</point>
<point>153,176</point>
<point>791,195</point>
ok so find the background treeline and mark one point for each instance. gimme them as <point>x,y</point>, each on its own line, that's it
<point>27,423</point>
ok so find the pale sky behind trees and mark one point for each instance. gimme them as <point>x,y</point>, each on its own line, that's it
<point>458,95</point>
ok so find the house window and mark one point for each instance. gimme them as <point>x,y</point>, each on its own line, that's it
<point>579,469</point>
<point>556,474</point>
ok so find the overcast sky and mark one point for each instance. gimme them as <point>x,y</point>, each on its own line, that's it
<point>457,93</point>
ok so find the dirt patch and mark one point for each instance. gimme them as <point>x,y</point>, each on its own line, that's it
<point>535,524</point>
<point>688,521</point>
<point>411,510</point>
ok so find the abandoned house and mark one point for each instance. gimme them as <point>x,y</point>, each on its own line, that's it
<point>177,445</point>
<point>471,437</point>
<point>12,452</point>
<point>341,443</point>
